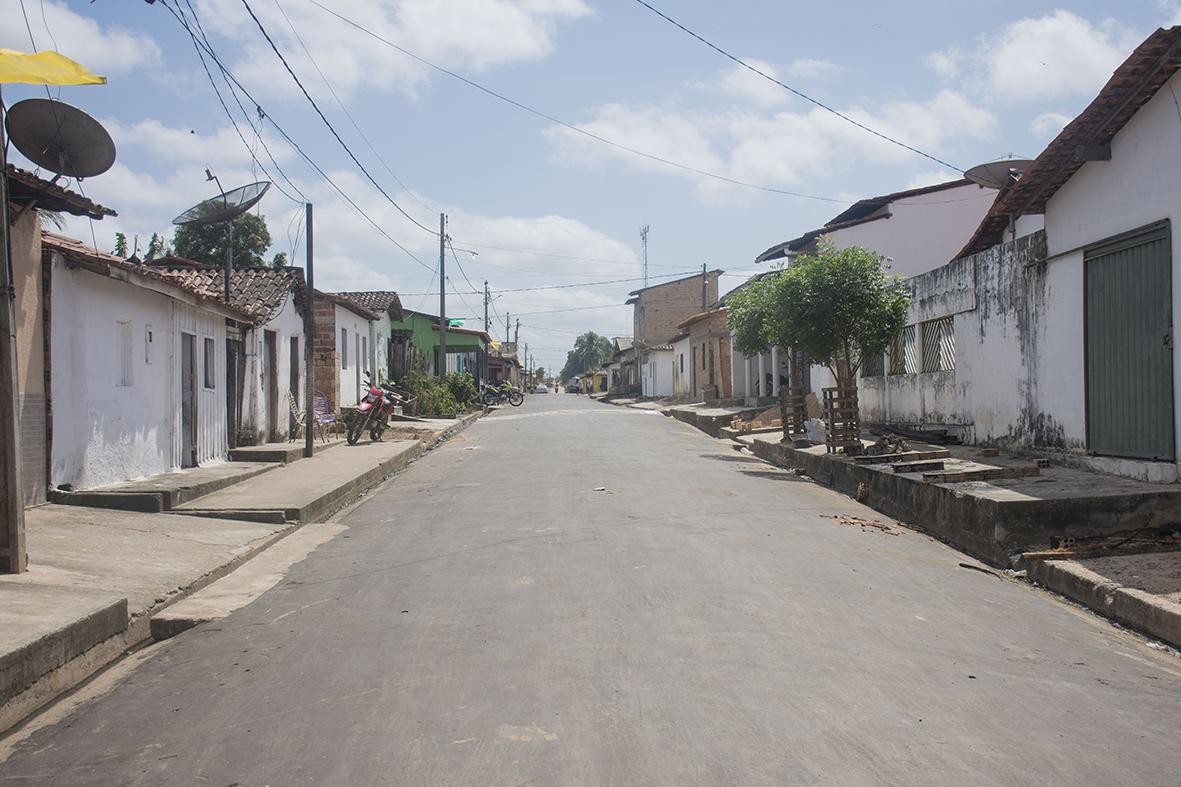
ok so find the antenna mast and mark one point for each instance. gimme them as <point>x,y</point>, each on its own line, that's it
<point>644,250</point>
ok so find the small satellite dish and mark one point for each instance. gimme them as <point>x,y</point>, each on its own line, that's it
<point>998,174</point>
<point>225,206</point>
<point>60,138</point>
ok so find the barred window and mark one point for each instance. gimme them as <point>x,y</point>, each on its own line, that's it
<point>904,352</point>
<point>938,345</point>
<point>873,365</point>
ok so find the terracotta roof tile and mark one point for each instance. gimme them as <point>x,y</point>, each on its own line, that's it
<point>23,185</point>
<point>258,291</point>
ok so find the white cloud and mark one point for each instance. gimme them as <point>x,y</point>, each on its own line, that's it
<point>171,144</point>
<point>929,177</point>
<point>785,149</point>
<point>1048,124</point>
<point>745,85</point>
<point>946,64</point>
<point>473,35</point>
<point>103,49</point>
<point>1035,59</point>
<point>812,68</point>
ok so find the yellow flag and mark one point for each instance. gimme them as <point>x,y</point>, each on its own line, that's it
<point>44,68</point>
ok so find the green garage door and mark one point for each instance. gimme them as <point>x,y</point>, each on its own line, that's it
<point>1129,346</point>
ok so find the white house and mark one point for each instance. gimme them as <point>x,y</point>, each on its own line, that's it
<point>682,368</point>
<point>345,335</point>
<point>137,369</point>
<point>917,229</point>
<point>656,372</point>
<point>265,357</point>
<point>388,306</point>
<point>1060,339</point>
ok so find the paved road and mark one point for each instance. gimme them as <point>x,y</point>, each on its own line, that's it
<point>491,618</point>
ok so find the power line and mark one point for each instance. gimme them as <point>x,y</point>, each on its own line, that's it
<point>564,124</point>
<point>230,78</point>
<point>328,123</point>
<point>340,103</point>
<point>793,90</point>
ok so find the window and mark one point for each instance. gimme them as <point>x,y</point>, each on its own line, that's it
<point>938,345</point>
<point>365,353</point>
<point>344,348</point>
<point>126,354</point>
<point>210,364</point>
<point>904,352</point>
<point>148,339</point>
<point>682,357</point>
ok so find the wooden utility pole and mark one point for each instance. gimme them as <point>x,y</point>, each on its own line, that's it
<point>13,557</point>
<point>704,282</point>
<point>442,297</point>
<point>487,298</point>
<point>309,344</point>
<point>517,331</point>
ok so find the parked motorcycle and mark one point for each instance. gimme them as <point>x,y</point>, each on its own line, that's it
<point>499,394</point>
<point>374,411</point>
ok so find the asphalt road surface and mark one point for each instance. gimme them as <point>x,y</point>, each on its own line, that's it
<point>572,593</point>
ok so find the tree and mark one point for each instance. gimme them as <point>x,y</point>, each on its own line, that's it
<point>590,352</point>
<point>279,260</point>
<point>539,373</point>
<point>837,307</point>
<point>207,243</point>
<point>121,245</point>
<point>157,247</point>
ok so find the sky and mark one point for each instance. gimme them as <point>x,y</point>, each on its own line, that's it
<point>532,203</point>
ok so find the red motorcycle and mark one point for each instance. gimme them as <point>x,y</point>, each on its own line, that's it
<point>374,411</point>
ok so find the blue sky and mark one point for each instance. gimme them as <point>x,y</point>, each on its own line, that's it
<point>967,82</point>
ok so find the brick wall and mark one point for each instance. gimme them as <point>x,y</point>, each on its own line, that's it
<point>327,351</point>
<point>658,309</point>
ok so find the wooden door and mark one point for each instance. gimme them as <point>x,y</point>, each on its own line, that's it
<point>188,400</point>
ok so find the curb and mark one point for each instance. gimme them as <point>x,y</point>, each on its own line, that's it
<point>1152,615</point>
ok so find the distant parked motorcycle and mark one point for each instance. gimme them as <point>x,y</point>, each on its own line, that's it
<point>374,411</point>
<point>499,394</point>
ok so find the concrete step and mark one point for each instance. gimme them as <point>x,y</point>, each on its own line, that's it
<point>279,453</point>
<point>166,491</point>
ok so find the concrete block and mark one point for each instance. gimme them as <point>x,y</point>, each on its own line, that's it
<point>1076,583</point>
<point>917,467</point>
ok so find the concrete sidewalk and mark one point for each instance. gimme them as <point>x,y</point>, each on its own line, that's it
<point>1140,591</point>
<point>95,578</point>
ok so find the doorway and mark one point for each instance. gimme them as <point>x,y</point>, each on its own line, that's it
<point>270,385</point>
<point>294,382</point>
<point>188,400</point>
<point>1128,318</point>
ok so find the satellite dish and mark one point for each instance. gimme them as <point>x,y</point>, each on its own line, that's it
<point>60,138</point>
<point>998,174</point>
<point>225,206</point>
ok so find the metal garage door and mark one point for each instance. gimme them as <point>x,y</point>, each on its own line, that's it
<point>1129,346</point>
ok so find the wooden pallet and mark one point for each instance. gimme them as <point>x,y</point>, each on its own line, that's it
<point>905,456</point>
<point>987,474</point>
<point>842,421</point>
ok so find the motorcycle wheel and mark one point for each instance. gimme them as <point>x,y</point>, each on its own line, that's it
<point>516,398</point>
<point>357,427</point>
<point>376,432</point>
<point>489,398</point>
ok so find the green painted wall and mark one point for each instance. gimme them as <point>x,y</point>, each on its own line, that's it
<point>425,337</point>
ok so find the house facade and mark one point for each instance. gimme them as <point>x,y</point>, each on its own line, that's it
<point>1053,331</point>
<point>388,306</point>
<point>657,371</point>
<point>708,372</point>
<point>345,334</point>
<point>137,371</point>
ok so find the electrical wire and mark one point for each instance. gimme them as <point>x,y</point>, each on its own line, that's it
<point>229,76</point>
<point>328,123</point>
<point>409,192</point>
<point>793,90</point>
<point>564,124</point>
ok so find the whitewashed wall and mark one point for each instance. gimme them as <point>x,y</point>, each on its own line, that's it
<point>922,232</point>
<point>683,358</point>
<point>658,373</point>
<point>380,341</point>
<point>356,326</point>
<point>286,324</point>
<point>212,442</point>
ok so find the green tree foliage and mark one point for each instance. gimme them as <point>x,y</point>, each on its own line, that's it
<point>121,245</point>
<point>207,243</point>
<point>590,352</point>
<point>279,260</point>
<point>539,373</point>
<point>838,307</point>
<point>157,247</point>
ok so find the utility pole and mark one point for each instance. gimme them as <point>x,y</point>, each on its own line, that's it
<point>527,373</point>
<point>487,298</point>
<point>442,362</point>
<point>644,251</point>
<point>13,556</point>
<point>704,281</point>
<point>309,340</point>
<point>517,331</point>
<point>506,324</point>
